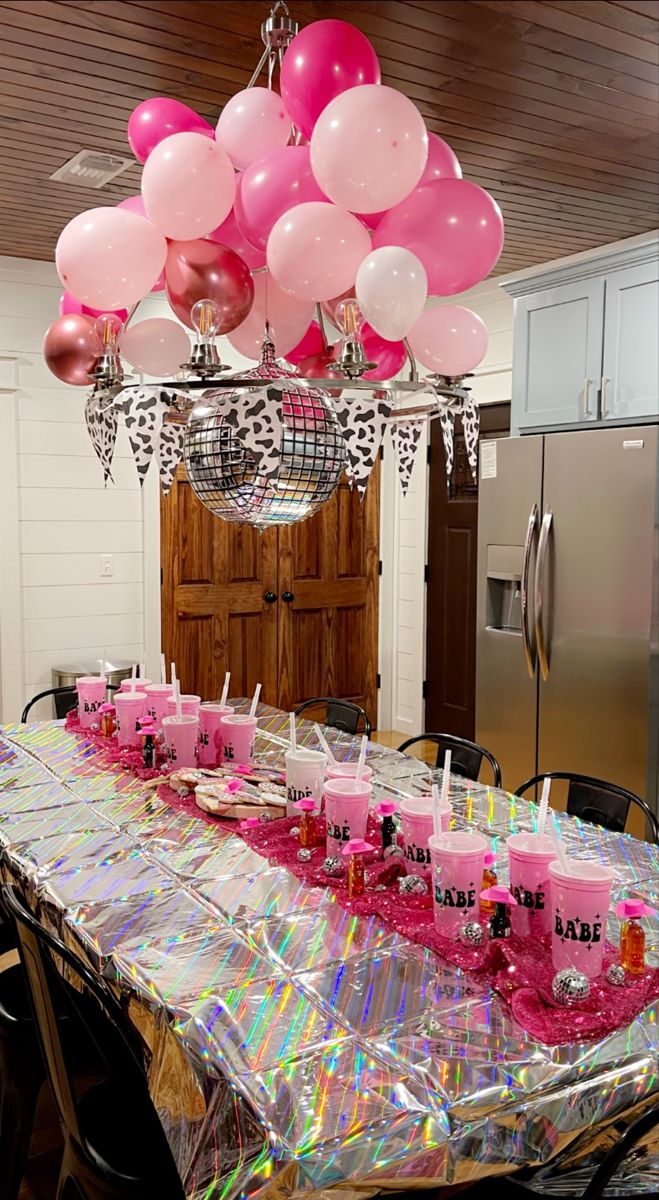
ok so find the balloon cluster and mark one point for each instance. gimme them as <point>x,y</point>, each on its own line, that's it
<point>335,187</point>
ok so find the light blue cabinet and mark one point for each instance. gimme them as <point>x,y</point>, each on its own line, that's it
<point>585,339</point>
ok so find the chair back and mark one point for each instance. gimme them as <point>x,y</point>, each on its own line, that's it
<point>64,697</point>
<point>595,800</point>
<point>466,757</point>
<point>339,714</point>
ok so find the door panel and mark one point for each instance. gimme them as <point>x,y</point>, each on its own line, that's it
<point>630,371</point>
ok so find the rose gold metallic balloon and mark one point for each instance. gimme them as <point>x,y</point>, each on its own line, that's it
<point>204,270</point>
<point>70,348</point>
<point>320,366</point>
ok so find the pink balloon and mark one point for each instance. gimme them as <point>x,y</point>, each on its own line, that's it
<point>389,356</point>
<point>314,250</point>
<point>134,204</point>
<point>109,258</point>
<point>454,227</point>
<point>252,124</point>
<point>159,285</point>
<point>157,346</point>
<point>228,234</point>
<point>311,344</point>
<point>158,118</point>
<point>188,186</point>
<point>320,366</point>
<point>449,339</point>
<point>369,148</point>
<point>442,161</point>
<point>70,348</point>
<point>203,270</point>
<point>289,319</point>
<point>267,189</point>
<point>69,304</point>
<point>324,60</point>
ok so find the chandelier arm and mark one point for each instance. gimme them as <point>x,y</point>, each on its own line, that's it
<point>261,63</point>
<point>414,374</point>
<point>321,323</point>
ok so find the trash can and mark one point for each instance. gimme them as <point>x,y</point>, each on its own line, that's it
<point>115,671</point>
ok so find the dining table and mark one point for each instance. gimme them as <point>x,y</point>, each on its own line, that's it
<point>297,1048</point>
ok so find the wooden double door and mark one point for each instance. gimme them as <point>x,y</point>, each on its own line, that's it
<point>293,608</point>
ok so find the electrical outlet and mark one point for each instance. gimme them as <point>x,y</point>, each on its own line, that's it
<point>107,566</point>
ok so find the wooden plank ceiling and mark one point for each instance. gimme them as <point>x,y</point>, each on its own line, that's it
<point>550,105</point>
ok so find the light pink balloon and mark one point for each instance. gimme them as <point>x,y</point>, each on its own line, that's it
<point>267,189</point>
<point>69,304</point>
<point>314,250</point>
<point>134,204</point>
<point>188,186</point>
<point>442,161</point>
<point>454,227</point>
<point>289,319</point>
<point>157,346</point>
<point>369,148</point>
<point>110,258</point>
<point>252,124</point>
<point>449,339</point>
<point>391,288</point>
<point>229,234</point>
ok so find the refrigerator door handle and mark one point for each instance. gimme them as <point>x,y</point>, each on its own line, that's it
<point>539,593</point>
<point>529,651</point>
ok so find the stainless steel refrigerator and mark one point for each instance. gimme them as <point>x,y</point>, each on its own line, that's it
<point>567,660</point>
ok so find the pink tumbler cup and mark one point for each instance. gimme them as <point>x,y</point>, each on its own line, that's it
<point>140,683</point>
<point>457,870</point>
<point>190,705</point>
<point>304,777</point>
<point>210,733</point>
<point>346,812</point>
<point>181,737</point>
<point>130,707</point>
<point>579,905</point>
<point>416,813</point>
<point>157,695</point>
<point>238,732</point>
<point>529,855</point>
<point>91,691</point>
<point>347,770</point>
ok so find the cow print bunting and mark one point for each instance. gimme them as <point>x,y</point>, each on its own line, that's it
<point>170,453</point>
<point>362,422</point>
<point>470,427</point>
<point>446,422</point>
<point>406,438</point>
<point>144,409</point>
<point>102,422</point>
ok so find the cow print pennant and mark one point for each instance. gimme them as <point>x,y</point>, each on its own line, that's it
<point>446,422</point>
<point>362,424</point>
<point>144,409</point>
<point>256,419</point>
<point>102,423</point>
<point>170,453</point>
<point>470,428</point>
<point>406,440</point>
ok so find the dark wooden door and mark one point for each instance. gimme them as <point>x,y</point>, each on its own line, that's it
<point>452,581</point>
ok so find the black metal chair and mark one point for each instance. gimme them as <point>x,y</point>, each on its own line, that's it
<point>63,696</point>
<point>339,714</point>
<point>597,801</point>
<point>466,757</point>
<point>115,1147</point>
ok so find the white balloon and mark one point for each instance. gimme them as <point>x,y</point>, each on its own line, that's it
<point>391,288</point>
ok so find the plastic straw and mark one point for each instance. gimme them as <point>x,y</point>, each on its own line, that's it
<point>104,663</point>
<point>173,670</point>
<point>436,806</point>
<point>560,853</point>
<point>323,741</point>
<point>225,689</point>
<point>544,805</point>
<point>255,700</point>
<point>142,670</point>
<point>362,760</point>
<point>293,734</point>
<point>446,778</point>
<point>163,669</point>
<point>179,706</point>
<point>133,677</point>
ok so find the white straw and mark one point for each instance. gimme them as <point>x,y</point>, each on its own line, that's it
<point>173,671</point>
<point>142,670</point>
<point>293,738</point>
<point>225,689</point>
<point>560,853</point>
<point>104,663</point>
<point>163,669</point>
<point>362,760</point>
<point>323,741</point>
<point>255,700</point>
<point>179,706</point>
<point>446,778</point>
<point>436,805</point>
<point>133,677</point>
<point>544,805</point>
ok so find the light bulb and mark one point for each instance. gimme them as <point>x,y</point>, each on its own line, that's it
<point>108,327</point>
<point>350,318</point>
<point>206,318</point>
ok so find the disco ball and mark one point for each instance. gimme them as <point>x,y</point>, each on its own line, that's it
<point>224,471</point>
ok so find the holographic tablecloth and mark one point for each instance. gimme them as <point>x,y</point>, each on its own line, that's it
<point>297,1049</point>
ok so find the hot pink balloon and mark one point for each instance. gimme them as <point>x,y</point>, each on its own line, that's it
<point>289,319</point>
<point>449,339</point>
<point>389,356</point>
<point>203,270</point>
<point>369,148</point>
<point>442,161</point>
<point>109,258</point>
<point>70,348</point>
<point>252,124</point>
<point>324,60</point>
<point>320,366</point>
<point>158,118</point>
<point>156,346</point>
<point>69,304</point>
<point>269,188</point>
<point>454,227</point>
<point>314,250</point>
<point>228,234</point>
<point>311,344</point>
<point>134,204</point>
<point>188,186</point>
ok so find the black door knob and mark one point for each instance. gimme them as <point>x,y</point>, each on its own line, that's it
<point>287,597</point>
<point>269,597</point>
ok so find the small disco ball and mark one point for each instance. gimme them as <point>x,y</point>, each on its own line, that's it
<point>570,986</point>
<point>472,934</point>
<point>223,471</point>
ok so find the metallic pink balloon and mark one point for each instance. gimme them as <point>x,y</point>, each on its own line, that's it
<point>158,118</point>
<point>229,234</point>
<point>69,304</point>
<point>442,161</point>
<point>269,188</point>
<point>325,59</point>
<point>320,366</point>
<point>203,270</point>
<point>71,347</point>
<point>311,344</point>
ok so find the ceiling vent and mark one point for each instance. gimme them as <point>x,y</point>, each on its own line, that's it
<point>92,169</point>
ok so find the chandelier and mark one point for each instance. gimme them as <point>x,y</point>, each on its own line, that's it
<point>312,227</point>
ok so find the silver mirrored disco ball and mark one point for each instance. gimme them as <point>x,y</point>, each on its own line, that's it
<point>223,470</point>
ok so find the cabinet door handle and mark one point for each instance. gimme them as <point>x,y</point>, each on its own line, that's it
<point>287,597</point>
<point>586,398</point>
<point>269,597</point>
<point>605,411</point>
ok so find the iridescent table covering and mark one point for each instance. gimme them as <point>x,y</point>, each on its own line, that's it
<point>297,1049</point>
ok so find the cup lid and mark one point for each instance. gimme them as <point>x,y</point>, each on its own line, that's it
<point>348,787</point>
<point>91,679</point>
<point>130,696</point>
<point>458,842</point>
